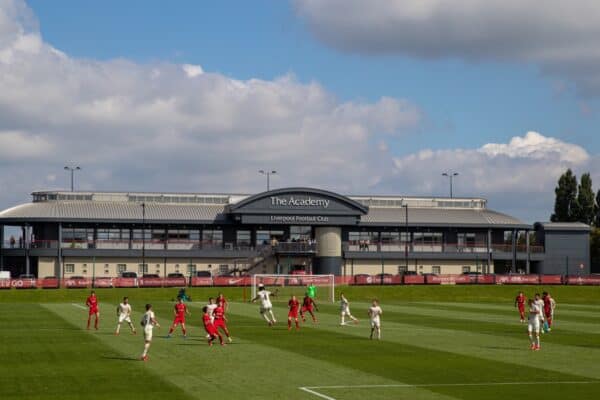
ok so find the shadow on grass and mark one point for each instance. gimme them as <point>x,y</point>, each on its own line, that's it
<point>121,358</point>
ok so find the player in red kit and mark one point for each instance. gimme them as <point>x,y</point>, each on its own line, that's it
<point>520,301</point>
<point>549,305</point>
<point>92,304</point>
<point>220,321</point>
<point>222,301</point>
<point>210,328</point>
<point>294,306</point>
<point>180,312</point>
<point>308,304</point>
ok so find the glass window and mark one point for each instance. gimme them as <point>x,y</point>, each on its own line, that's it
<point>243,238</point>
<point>466,269</point>
<point>300,233</point>
<point>69,268</point>
<point>121,268</point>
<point>143,268</point>
<point>223,269</point>
<point>390,237</point>
<point>212,236</point>
<point>436,269</point>
<point>191,269</point>
<point>428,237</point>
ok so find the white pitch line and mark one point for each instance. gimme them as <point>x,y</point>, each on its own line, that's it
<point>79,306</point>
<point>313,389</point>
<point>315,393</point>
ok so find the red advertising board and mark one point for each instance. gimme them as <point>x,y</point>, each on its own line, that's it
<point>551,279</point>
<point>150,282</point>
<point>103,283</point>
<point>23,283</point>
<point>448,279</point>
<point>175,282</point>
<point>201,281</point>
<point>517,279</point>
<point>241,281</point>
<point>77,283</point>
<point>49,283</point>
<point>484,279</point>
<point>414,279</point>
<point>125,282</point>
<point>582,280</point>
<point>343,280</point>
<point>5,284</point>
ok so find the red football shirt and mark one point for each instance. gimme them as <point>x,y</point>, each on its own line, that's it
<point>222,302</point>
<point>307,302</point>
<point>207,321</point>
<point>520,299</point>
<point>92,302</point>
<point>293,304</point>
<point>180,309</point>
<point>219,313</point>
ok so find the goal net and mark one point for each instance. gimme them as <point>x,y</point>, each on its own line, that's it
<point>288,285</point>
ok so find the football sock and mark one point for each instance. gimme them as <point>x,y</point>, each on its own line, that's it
<point>89,320</point>
<point>146,347</point>
<point>272,315</point>
<point>184,331</point>
<point>297,326</point>
<point>96,323</point>
<point>266,318</point>
<point>343,320</point>
<point>118,327</point>
<point>289,323</point>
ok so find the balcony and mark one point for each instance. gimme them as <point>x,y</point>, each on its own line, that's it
<point>367,247</point>
<point>295,248</point>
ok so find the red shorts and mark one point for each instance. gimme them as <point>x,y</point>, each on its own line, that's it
<point>211,330</point>
<point>93,310</point>
<point>179,320</point>
<point>521,307</point>
<point>548,312</point>
<point>305,309</point>
<point>219,323</point>
<point>293,314</point>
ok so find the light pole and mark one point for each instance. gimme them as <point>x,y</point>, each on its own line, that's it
<point>72,169</point>
<point>143,238</point>
<point>268,174</point>
<point>451,176</point>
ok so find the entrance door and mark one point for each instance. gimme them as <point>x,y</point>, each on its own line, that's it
<point>300,233</point>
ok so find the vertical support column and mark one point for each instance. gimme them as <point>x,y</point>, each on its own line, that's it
<point>1,247</point>
<point>513,267</point>
<point>328,259</point>
<point>489,251</point>
<point>59,273</point>
<point>26,244</point>
<point>527,244</point>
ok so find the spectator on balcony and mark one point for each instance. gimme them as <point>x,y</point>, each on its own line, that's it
<point>12,242</point>
<point>20,242</point>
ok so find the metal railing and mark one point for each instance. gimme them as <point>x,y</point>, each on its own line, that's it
<point>435,247</point>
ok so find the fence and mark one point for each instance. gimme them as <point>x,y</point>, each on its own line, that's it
<point>363,279</point>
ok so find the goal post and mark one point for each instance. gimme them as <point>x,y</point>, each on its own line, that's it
<point>289,285</point>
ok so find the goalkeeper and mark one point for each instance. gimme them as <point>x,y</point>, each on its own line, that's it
<point>311,290</point>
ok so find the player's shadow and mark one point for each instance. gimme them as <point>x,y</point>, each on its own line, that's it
<point>121,358</point>
<point>500,348</point>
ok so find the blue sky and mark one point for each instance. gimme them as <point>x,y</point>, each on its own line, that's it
<point>333,94</point>
<point>467,104</point>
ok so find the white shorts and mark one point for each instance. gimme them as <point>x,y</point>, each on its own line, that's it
<point>148,334</point>
<point>375,323</point>
<point>345,311</point>
<point>534,326</point>
<point>265,308</point>
<point>124,317</point>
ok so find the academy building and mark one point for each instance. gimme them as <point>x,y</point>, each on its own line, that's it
<point>99,234</point>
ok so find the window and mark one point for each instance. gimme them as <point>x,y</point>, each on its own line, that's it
<point>370,237</point>
<point>265,237</point>
<point>223,269</point>
<point>191,269</point>
<point>243,238</point>
<point>390,237</point>
<point>402,269</point>
<point>300,232</point>
<point>436,269</point>
<point>466,269</point>
<point>143,268</point>
<point>121,268</point>
<point>211,236</point>
<point>176,267</point>
<point>69,268</point>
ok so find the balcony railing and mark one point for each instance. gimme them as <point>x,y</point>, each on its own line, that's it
<point>295,247</point>
<point>434,247</point>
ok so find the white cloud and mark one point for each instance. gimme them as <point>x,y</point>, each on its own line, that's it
<point>518,177</point>
<point>151,127</point>
<point>561,37</point>
<point>192,71</point>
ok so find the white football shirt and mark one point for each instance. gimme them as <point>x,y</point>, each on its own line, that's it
<point>265,298</point>
<point>124,309</point>
<point>375,312</point>
<point>534,311</point>
<point>540,304</point>
<point>147,319</point>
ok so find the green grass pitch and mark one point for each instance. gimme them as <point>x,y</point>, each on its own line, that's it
<point>438,343</point>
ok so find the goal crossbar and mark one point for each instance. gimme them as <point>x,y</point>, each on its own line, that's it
<point>295,281</point>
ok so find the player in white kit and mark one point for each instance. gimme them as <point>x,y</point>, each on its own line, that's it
<point>345,310</point>
<point>266,307</point>
<point>540,303</point>
<point>533,326</point>
<point>148,322</point>
<point>375,314</point>
<point>124,314</point>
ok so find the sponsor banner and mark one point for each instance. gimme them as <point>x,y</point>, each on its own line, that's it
<point>150,282</point>
<point>5,283</point>
<point>103,283</point>
<point>363,280</point>
<point>485,279</point>
<point>551,279</point>
<point>49,283</point>
<point>448,279</point>
<point>414,279</point>
<point>175,281</point>
<point>517,279</point>
<point>201,281</point>
<point>239,281</point>
<point>582,280</point>
<point>23,283</point>
<point>125,282</point>
<point>343,280</point>
<point>77,283</point>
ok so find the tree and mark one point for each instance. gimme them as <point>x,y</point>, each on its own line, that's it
<point>585,207</point>
<point>565,204</point>
<point>597,220</point>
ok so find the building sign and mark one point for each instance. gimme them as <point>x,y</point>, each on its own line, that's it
<point>299,202</point>
<point>299,219</point>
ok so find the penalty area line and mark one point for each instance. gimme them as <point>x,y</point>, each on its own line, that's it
<point>314,389</point>
<point>78,306</point>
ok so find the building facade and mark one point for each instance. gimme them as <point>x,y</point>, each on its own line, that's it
<point>97,234</point>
